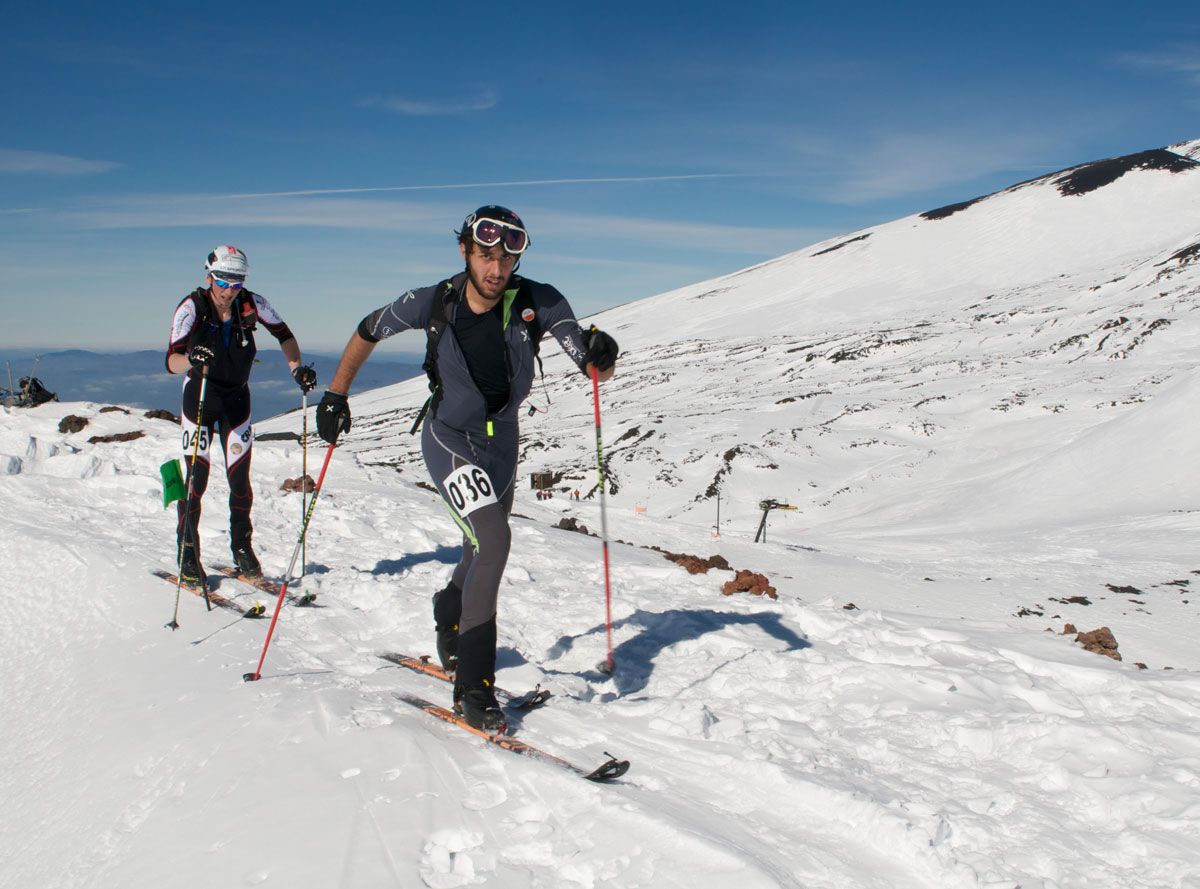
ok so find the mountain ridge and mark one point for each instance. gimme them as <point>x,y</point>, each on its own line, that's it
<point>847,371</point>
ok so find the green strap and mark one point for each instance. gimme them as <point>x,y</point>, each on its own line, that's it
<point>466,529</point>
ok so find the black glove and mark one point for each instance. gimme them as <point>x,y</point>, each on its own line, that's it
<point>602,350</point>
<point>201,355</point>
<point>305,377</point>
<point>333,416</point>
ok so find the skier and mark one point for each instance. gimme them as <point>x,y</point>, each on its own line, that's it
<point>479,376</point>
<point>213,328</point>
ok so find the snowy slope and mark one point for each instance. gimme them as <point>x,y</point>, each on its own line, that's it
<point>1015,375</point>
<point>795,742</point>
<point>967,471</point>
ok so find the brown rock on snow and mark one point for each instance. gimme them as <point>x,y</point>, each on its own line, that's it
<point>120,436</point>
<point>304,483</point>
<point>697,565</point>
<point>1101,641</point>
<point>749,582</point>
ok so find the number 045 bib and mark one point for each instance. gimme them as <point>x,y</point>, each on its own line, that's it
<point>468,488</point>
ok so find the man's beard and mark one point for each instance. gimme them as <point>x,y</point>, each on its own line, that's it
<point>479,288</point>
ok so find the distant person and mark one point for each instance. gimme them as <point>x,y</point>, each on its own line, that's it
<point>214,327</point>
<point>482,331</point>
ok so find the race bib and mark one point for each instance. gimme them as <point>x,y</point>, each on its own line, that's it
<point>195,440</point>
<point>468,488</point>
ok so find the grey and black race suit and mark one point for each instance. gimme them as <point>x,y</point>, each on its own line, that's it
<point>470,449</point>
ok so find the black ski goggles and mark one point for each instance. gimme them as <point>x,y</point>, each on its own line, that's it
<point>490,232</point>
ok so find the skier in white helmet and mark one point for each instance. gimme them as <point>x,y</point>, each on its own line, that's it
<point>213,328</point>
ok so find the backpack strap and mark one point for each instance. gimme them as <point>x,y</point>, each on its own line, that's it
<point>245,310</point>
<point>433,336</point>
<point>517,306</point>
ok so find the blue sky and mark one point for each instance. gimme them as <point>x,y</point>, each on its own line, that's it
<point>647,146</point>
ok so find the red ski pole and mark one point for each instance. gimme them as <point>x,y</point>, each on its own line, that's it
<point>607,665</point>
<point>257,674</point>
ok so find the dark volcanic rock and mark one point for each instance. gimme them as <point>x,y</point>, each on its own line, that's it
<point>1089,177</point>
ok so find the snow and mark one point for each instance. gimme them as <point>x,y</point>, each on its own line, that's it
<point>907,712</point>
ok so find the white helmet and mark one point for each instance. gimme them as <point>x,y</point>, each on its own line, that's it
<point>228,262</point>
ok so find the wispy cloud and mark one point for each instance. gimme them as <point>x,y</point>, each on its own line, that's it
<point>521,183</point>
<point>1183,60</point>
<point>46,164</point>
<point>629,231</point>
<point>897,164</point>
<point>176,211</point>
<point>420,219</point>
<point>485,101</point>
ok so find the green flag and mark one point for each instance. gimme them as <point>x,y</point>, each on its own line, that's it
<point>172,480</point>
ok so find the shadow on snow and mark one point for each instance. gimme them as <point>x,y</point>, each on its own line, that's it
<point>447,555</point>
<point>659,630</point>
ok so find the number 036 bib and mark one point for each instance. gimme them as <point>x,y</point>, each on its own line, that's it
<point>468,488</point>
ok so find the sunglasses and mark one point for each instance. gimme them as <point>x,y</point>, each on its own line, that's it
<point>227,285</point>
<point>490,232</point>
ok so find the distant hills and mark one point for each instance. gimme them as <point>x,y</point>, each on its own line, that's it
<point>139,379</point>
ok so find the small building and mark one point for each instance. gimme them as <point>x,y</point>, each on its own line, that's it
<point>541,481</point>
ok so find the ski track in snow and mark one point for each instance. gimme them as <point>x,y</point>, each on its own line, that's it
<point>774,743</point>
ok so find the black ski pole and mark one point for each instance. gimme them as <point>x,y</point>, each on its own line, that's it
<point>312,504</point>
<point>174,624</point>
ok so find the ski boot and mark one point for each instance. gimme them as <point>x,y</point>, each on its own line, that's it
<point>479,707</point>
<point>246,561</point>
<point>447,647</point>
<point>447,606</point>
<point>190,570</point>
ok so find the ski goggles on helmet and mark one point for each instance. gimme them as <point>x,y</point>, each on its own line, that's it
<point>225,283</point>
<point>490,232</point>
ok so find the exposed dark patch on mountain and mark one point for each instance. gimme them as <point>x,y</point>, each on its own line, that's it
<point>1124,590</point>
<point>1177,262</point>
<point>874,343</point>
<point>841,245</point>
<point>1089,177</point>
<point>1187,254</point>
<point>1158,324</point>
<point>951,209</point>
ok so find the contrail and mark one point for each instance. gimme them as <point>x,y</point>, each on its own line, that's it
<point>518,183</point>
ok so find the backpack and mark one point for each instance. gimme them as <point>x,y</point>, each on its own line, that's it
<point>438,322</point>
<point>34,393</point>
<point>245,313</point>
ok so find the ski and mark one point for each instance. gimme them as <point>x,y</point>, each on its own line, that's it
<point>254,611</point>
<point>423,664</point>
<point>612,768</point>
<point>262,584</point>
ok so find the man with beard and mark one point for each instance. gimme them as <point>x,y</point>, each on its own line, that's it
<point>479,375</point>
